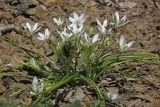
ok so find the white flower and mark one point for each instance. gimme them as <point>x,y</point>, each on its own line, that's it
<point>92,40</point>
<point>58,21</point>
<point>113,96</point>
<point>37,86</point>
<point>102,27</point>
<point>75,29</point>
<point>32,28</point>
<point>78,20</point>
<point>117,21</point>
<point>123,45</point>
<point>44,36</point>
<point>64,34</point>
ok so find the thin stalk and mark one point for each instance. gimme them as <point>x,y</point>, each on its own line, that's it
<point>31,38</point>
<point>16,75</point>
<point>18,92</point>
<point>89,81</point>
<point>76,63</point>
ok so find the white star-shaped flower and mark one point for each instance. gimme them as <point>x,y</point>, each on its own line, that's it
<point>44,36</point>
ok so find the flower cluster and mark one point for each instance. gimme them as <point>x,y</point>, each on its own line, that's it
<point>76,28</point>
<point>74,44</point>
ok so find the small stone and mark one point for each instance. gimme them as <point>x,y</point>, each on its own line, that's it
<point>2,88</point>
<point>18,85</point>
<point>88,99</point>
<point>24,95</point>
<point>33,2</point>
<point>8,81</point>
<point>79,95</point>
<point>31,11</point>
<point>41,12</point>
<point>68,96</point>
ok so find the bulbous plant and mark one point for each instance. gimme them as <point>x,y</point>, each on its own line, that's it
<point>81,55</point>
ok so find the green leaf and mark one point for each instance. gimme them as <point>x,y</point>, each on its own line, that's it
<point>97,103</point>
<point>75,104</point>
<point>8,103</point>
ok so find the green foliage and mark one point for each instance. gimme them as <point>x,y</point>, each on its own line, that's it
<point>13,103</point>
<point>97,103</point>
<point>75,104</point>
<point>39,104</point>
<point>8,103</point>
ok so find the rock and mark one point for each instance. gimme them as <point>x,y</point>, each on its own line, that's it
<point>8,81</point>
<point>2,88</point>
<point>42,1</point>
<point>2,5</point>
<point>18,85</point>
<point>31,11</point>
<point>41,12</point>
<point>24,95</point>
<point>38,11</point>
<point>79,94</point>
<point>88,99</point>
<point>33,2</point>
<point>68,96</point>
<point>127,4</point>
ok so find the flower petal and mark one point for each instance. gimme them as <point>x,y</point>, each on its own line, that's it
<point>98,22</point>
<point>55,20</point>
<point>122,42</point>
<point>130,44</point>
<point>71,19</point>
<point>41,36</point>
<point>34,83</point>
<point>28,26</point>
<point>95,38</point>
<point>124,19</point>
<point>80,28</point>
<point>47,33</point>
<point>75,15</point>
<point>35,27</point>
<point>117,16</point>
<point>105,23</point>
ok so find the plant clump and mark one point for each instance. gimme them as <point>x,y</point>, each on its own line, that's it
<point>80,55</point>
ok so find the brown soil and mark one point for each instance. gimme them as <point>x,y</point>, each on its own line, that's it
<point>139,87</point>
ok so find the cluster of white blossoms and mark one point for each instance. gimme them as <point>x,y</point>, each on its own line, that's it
<point>35,28</point>
<point>76,29</point>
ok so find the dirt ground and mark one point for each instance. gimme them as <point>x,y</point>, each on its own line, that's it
<point>140,87</point>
